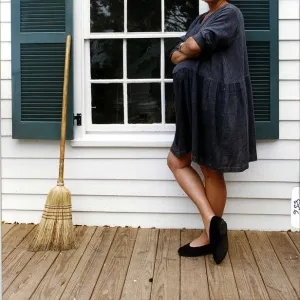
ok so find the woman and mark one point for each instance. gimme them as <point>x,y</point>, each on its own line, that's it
<point>215,125</point>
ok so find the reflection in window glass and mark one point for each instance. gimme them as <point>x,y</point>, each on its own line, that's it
<point>143,58</point>
<point>144,105</point>
<point>107,15</point>
<point>106,59</point>
<point>169,46</point>
<point>170,104</point>
<point>107,103</point>
<point>144,15</point>
<point>179,14</point>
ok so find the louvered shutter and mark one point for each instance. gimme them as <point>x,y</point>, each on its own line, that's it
<point>39,29</point>
<point>261,24</point>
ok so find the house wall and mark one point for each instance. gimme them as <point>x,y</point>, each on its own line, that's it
<point>122,186</point>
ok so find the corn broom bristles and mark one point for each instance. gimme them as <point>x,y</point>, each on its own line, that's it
<point>55,231</point>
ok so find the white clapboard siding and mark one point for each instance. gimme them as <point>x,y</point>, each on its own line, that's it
<point>6,127</point>
<point>289,110</point>
<point>5,39</point>
<point>289,70</point>
<point>5,11</point>
<point>5,70</point>
<point>148,220</point>
<point>275,149</point>
<point>289,30</point>
<point>6,107</point>
<point>138,169</point>
<point>5,46</point>
<point>144,188</point>
<point>289,130</point>
<point>134,187</point>
<point>289,50</point>
<point>289,9</point>
<point>289,90</point>
<point>148,205</point>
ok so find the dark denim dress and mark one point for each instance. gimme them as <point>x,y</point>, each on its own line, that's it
<point>213,95</point>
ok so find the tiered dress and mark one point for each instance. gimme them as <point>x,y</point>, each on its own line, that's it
<point>213,95</point>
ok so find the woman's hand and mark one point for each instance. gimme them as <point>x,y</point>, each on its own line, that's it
<point>179,57</point>
<point>190,47</point>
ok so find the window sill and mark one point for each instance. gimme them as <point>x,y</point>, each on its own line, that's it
<point>131,140</point>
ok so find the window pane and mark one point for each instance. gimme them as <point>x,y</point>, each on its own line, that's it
<point>107,103</point>
<point>179,14</point>
<point>144,15</point>
<point>144,103</point>
<point>143,58</point>
<point>170,104</point>
<point>106,59</point>
<point>107,15</point>
<point>169,46</point>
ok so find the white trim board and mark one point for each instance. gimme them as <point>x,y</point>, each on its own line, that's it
<point>147,220</point>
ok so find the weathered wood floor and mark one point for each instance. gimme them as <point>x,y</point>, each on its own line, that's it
<point>139,264</point>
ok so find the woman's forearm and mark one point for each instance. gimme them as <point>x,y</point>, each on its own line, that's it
<point>179,57</point>
<point>190,47</point>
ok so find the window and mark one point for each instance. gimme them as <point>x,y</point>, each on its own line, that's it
<point>128,81</point>
<point>129,73</point>
<point>121,68</point>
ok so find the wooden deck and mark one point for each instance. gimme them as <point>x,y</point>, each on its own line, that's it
<point>139,264</point>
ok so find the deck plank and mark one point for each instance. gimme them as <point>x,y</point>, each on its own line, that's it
<point>248,279</point>
<point>111,280</point>
<point>85,276</point>
<point>6,228</point>
<point>166,280</point>
<point>275,279</point>
<point>13,238</point>
<point>55,281</point>
<point>16,261</point>
<point>138,282</point>
<point>288,255</point>
<point>295,237</point>
<point>30,277</point>
<point>194,283</point>
<point>119,263</point>
<point>221,279</point>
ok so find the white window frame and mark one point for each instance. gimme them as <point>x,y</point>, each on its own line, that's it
<point>114,135</point>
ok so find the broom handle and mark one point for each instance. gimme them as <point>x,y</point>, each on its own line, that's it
<point>64,112</point>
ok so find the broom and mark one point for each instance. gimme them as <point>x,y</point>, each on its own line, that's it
<point>56,231</point>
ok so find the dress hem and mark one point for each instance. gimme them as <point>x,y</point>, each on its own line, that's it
<point>199,161</point>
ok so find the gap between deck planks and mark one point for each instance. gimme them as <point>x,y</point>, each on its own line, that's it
<point>137,264</point>
<point>5,228</point>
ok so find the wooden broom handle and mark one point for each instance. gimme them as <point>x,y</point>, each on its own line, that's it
<point>64,112</point>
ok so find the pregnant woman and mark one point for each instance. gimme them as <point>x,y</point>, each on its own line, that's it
<point>215,126</point>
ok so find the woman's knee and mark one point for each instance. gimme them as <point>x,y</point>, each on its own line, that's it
<point>209,173</point>
<point>175,163</point>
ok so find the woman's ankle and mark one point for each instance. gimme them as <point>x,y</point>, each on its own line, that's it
<point>207,225</point>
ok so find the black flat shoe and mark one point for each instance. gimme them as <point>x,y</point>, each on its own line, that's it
<point>189,251</point>
<point>218,238</point>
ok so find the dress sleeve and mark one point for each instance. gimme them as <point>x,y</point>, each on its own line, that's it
<point>220,33</point>
<point>184,37</point>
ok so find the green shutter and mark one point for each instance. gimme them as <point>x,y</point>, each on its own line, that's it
<point>261,23</point>
<point>39,29</point>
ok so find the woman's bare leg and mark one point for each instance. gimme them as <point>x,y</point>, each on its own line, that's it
<point>215,188</point>
<point>191,183</point>
<point>216,194</point>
